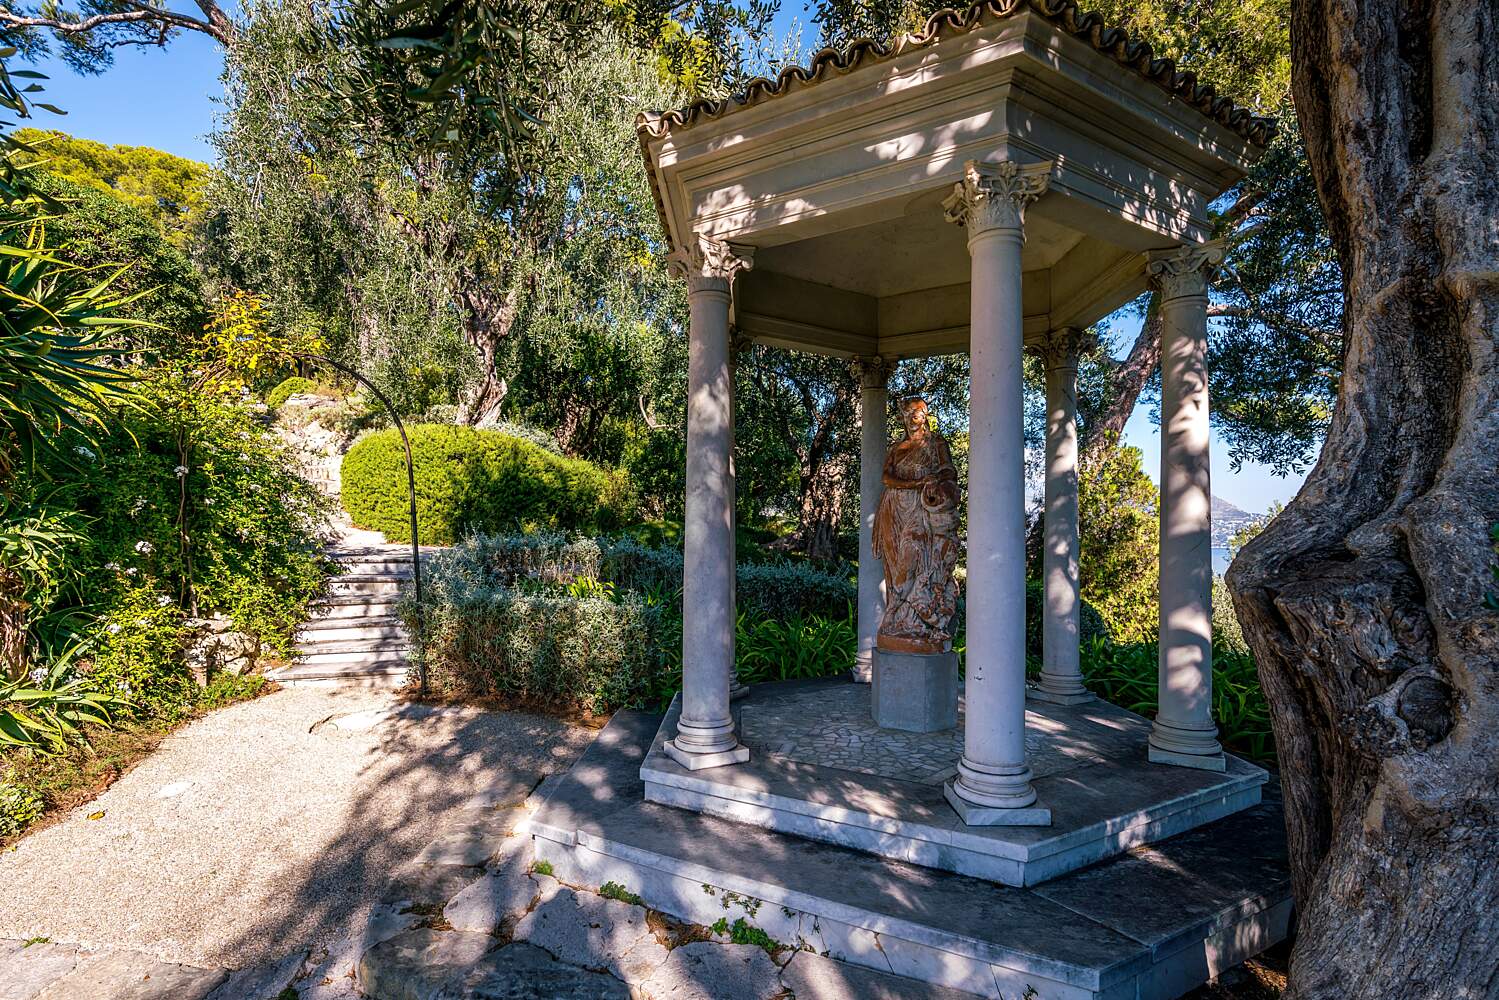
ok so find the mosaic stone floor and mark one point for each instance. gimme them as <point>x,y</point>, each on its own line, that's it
<point>832,727</point>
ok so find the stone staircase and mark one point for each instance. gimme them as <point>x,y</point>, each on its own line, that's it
<point>355,638</point>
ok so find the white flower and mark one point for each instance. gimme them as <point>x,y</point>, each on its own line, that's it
<point>180,471</point>
<point>38,675</point>
<point>243,457</point>
<point>123,687</point>
<point>130,571</point>
<point>139,504</point>
<point>144,548</point>
<point>163,600</point>
<point>112,566</point>
<point>113,628</point>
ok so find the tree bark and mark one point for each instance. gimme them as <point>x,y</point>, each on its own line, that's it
<point>1128,381</point>
<point>1364,600</point>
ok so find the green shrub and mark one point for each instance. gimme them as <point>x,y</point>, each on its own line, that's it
<point>19,808</point>
<point>1125,675</point>
<point>1090,623</point>
<point>192,509</point>
<point>1120,536</point>
<point>470,480</point>
<point>551,650</point>
<point>293,386</point>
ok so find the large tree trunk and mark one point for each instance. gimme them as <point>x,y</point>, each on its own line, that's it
<point>1127,382</point>
<point>1364,600</point>
<point>486,324</point>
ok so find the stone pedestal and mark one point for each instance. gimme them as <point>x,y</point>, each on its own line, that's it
<point>914,692</point>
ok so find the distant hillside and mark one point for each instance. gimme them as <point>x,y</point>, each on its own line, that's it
<point>1228,519</point>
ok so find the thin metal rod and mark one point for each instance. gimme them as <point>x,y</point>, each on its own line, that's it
<point>416,552</point>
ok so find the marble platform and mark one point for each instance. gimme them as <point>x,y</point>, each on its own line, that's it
<point>1149,924</point>
<point>820,768</point>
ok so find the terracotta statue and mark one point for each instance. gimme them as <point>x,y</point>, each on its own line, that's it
<point>916,535</point>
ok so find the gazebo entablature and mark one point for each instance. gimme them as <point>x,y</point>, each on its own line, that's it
<point>838,183</point>
<point>998,182</point>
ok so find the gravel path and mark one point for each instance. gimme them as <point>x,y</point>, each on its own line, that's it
<point>264,829</point>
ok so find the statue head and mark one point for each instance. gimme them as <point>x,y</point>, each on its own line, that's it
<point>914,415</point>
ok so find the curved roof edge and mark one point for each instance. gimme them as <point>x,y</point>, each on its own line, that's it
<point>1066,14</point>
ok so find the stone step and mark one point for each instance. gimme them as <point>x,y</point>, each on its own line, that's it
<point>1150,924</point>
<point>367,586</point>
<point>330,652</point>
<point>350,674</point>
<point>354,606</point>
<point>373,628</point>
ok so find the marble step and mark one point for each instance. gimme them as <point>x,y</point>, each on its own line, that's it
<point>365,628</point>
<point>368,585</point>
<point>329,652</point>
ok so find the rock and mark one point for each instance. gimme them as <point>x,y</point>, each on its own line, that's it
<point>485,904</point>
<point>525,972</point>
<point>469,844</point>
<point>30,969</point>
<point>427,885</point>
<point>813,977</point>
<point>597,933</point>
<point>261,982</point>
<point>419,964</point>
<point>129,975</point>
<point>707,971</point>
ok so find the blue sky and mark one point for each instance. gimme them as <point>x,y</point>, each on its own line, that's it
<point>166,99</point>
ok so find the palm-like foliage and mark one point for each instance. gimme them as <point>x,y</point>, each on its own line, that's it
<point>47,708</point>
<point>54,316</point>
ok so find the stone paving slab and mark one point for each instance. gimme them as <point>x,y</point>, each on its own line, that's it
<point>263,982</point>
<point>1188,887</point>
<point>812,977</point>
<point>587,930</point>
<point>32,968</point>
<point>606,776</point>
<point>491,899</point>
<point>704,970</point>
<point>524,972</point>
<point>420,964</point>
<point>129,975</point>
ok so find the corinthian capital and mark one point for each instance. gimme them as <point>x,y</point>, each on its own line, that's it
<point>994,195</point>
<point>710,264</point>
<point>1184,270</point>
<point>872,372</point>
<point>1059,348</point>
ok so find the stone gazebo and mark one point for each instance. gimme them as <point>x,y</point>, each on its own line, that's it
<point>998,182</point>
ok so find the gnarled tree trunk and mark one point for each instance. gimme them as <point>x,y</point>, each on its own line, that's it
<point>1364,600</point>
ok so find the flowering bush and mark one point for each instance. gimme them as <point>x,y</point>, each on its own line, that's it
<point>192,509</point>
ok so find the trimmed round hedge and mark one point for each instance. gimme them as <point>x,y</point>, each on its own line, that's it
<point>291,387</point>
<point>471,480</point>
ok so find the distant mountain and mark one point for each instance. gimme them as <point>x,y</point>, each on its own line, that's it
<point>1228,519</point>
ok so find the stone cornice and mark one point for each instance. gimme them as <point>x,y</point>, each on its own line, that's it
<point>994,195</point>
<point>710,265</point>
<point>1065,14</point>
<point>1185,270</point>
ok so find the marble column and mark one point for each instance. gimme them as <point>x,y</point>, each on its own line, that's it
<point>874,402</point>
<point>705,731</point>
<point>1061,680</point>
<point>1184,733</point>
<point>993,785</point>
<point>737,344</point>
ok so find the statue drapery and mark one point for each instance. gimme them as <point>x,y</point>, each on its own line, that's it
<point>916,537</point>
